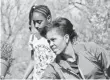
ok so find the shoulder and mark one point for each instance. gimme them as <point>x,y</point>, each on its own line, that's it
<point>88,47</point>
<point>88,44</point>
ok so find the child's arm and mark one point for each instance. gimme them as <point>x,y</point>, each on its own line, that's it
<point>30,67</point>
<point>29,70</point>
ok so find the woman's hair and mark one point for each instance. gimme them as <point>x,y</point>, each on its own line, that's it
<point>64,26</point>
<point>44,10</point>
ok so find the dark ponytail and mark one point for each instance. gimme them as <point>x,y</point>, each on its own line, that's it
<point>73,35</point>
<point>65,27</point>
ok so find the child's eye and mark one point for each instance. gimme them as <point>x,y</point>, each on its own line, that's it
<point>37,21</point>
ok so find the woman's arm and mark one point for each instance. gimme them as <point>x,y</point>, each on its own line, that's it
<point>49,73</point>
<point>102,56</point>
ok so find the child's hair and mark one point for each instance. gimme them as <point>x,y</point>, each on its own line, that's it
<point>44,10</point>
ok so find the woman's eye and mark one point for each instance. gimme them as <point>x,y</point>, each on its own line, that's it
<point>53,40</point>
<point>48,41</point>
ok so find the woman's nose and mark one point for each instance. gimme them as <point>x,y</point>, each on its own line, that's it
<point>52,45</point>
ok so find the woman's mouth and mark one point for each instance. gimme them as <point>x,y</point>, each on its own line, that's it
<point>54,50</point>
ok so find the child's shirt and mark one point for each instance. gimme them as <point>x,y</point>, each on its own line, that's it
<point>43,55</point>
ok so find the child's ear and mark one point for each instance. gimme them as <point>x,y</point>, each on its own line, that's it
<point>49,18</point>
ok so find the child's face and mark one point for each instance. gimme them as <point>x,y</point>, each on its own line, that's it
<point>39,22</point>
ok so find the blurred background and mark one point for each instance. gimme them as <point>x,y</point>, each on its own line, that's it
<point>91,20</point>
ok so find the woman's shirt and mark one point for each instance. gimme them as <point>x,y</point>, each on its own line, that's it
<point>62,69</point>
<point>92,63</point>
<point>93,60</point>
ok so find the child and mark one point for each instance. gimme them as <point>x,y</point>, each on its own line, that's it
<point>41,54</point>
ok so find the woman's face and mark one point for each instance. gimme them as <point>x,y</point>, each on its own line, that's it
<point>39,22</point>
<point>56,41</point>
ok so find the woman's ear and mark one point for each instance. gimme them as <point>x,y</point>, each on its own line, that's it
<point>49,19</point>
<point>66,38</point>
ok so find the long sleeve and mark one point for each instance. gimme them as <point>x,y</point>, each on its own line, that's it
<point>49,73</point>
<point>98,58</point>
<point>101,56</point>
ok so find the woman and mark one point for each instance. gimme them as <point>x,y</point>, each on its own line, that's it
<point>41,54</point>
<point>81,61</point>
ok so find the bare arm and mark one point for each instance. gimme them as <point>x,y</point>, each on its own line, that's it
<point>30,67</point>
